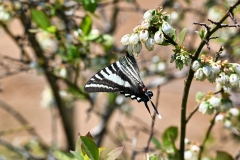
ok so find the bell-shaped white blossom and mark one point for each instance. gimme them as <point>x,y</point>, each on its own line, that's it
<point>222,79</point>
<point>219,118</point>
<point>227,124</point>
<point>216,68</point>
<point>143,36</point>
<point>159,37</point>
<point>234,111</point>
<point>215,101</point>
<point>195,148</point>
<point>234,80</point>
<point>199,75</point>
<point>149,44</point>
<point>207,70</point>
<point>188,155</point>
<point>203,107</point>
<point>167,29</point>
<point>196,65</point>
<point>236,68</point>
<point>145,24</point>
<point>134,38</point>
<point>137,47</point>
<point>125,39</point>
<point>148,15</point>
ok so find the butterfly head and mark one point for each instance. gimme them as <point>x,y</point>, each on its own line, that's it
<point>149,94</point>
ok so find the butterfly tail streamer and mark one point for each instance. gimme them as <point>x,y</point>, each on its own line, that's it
<point>154,107</point>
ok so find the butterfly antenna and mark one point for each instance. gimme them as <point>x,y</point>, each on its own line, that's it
<point>159,116</point>
<point>148,109</point>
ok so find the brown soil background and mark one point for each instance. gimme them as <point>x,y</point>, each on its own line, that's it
<point>23,93</point>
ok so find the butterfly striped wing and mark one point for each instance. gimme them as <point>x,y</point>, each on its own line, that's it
<point>122,76</point>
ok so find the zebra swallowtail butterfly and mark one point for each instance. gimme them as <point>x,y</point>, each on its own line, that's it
<point>122,76</point>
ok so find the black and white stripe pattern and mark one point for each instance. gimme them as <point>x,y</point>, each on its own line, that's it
<point>122,76</point>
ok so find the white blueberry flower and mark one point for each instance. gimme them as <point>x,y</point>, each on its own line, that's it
<point>125,39</point>
<point>195,148</point>
<point>134,38</point>
<point>167,29</point>
<point>161,66</point>
<point>215,101</point>
<point>137,47</point>
<point>196,65</point>
<point>222,79</point>
<point>203,107</point>
<point>219,118</point>
<point>63,72</point>
<point>199,75</point>
<point>211,77</point>
<point>149,44</point>
<point>216,68</point>
<point>148,15</point>
<point>130,48</point>
<point>234,111</point>
<point>207,70</point>
<point>188,155</point>
<point>174,15</point>
<point>143,36</point>
<point>186,141</point>
<point>159,37</point>
<point>234,80</point>
<point>145,24</point>
<point>236,68</point>
<point>227,124</point>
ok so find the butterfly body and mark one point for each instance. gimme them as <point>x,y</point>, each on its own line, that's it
<point>121,76</point>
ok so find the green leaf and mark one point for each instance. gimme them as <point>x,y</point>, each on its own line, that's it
<point>86,25</point>
<point>156,142</point>
<point>90,148</point>
<point>114,153</point>
<point>72,53</point>
<point>89,5</point>
<point>77,155</point>
<point>182,35</point>
<point>169,137</point>
<point>40,18</point>
<point>63,156</point>
<point>223,156</point>
<point>52,29</point>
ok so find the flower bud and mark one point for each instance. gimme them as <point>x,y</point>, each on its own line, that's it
<point>227,124</point>
<point>159,37</point>
<point>215,101</point>
<point>167,29</point>
<point>149,44</point>
<point>148,15</point>
<point>125,39</point>
<point>203,107</point>
<point>188,155</point>
<point>134,38</point>
<point>196,65</point>
<point>207,70</point>
<point>222,79</point>
<point>234,80</point>
<point>143,36</point>
<point>137,47</point>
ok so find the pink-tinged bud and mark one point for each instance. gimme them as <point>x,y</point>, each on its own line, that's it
<point>219,118</point>
<point>196,65</point>
<point>143,36</point>
<point>134,38</point>
<point>149,44</point>
<point>215,101</point>
<point>167,29</point>
<point>125,39</point>
<point>159,37</point>
<point>207,70</point>
<point>234,80</point>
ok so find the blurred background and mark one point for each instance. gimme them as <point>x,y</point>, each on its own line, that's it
<point>29,110</point>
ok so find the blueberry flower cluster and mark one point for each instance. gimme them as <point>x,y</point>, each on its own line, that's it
<point>150,32</point>
<point>225,74</point>
<point>192,151</point>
